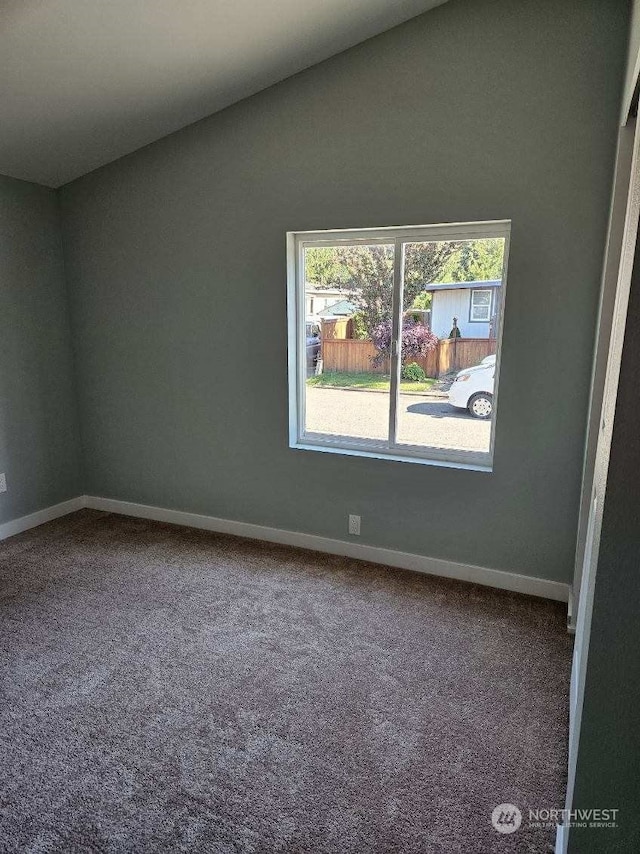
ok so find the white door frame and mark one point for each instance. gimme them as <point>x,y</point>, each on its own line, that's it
<point>611,269</point>
<point>597,497</point>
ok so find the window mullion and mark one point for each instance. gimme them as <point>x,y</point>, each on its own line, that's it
<point>396,333</point>
<point>301,338</point>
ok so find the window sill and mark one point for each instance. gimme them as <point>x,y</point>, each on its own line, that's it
<point>468,461</point>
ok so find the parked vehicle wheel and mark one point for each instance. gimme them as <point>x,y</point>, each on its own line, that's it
<point>481,405</point>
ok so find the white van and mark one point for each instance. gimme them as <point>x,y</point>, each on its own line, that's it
<point>472,388</point>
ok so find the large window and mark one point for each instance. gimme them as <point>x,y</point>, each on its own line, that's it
<point>371,378</point>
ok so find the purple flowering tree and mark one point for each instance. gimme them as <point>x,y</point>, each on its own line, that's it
<point>417,340</point>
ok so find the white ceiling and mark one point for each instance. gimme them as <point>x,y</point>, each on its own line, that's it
<point>83,82</point>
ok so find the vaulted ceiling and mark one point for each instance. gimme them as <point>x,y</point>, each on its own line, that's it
<point>83,82</point>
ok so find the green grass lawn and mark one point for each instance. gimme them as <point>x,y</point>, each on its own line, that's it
<point>372,382</point>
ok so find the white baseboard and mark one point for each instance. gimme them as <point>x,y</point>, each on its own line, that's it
<point>389,557</point>
<point>17,526</point>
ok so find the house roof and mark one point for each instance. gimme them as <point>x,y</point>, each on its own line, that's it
<point>457,286</point>
<point>343,308</point>
<point>313,291</point>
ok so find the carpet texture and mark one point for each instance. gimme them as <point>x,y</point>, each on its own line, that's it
<point>170,690</point>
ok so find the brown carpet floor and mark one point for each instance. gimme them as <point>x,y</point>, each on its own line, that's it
<point>170,690</point>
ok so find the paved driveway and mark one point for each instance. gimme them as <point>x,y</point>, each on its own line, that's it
<point>422,420</point>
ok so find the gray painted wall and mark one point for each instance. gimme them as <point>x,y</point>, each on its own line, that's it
<point>39,448</point>
<point>176,268</point>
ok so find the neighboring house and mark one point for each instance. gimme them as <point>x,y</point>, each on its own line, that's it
<point>342,308</point>
<point>474,304</point>
<point>319,299</point>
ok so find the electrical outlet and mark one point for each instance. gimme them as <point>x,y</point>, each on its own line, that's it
<point>354,525</point>
<point>3,482</point>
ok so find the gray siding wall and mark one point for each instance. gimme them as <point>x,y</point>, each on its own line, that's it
<point>449,304</point>
<point>176,265</point>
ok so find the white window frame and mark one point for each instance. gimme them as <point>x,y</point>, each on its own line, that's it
<point>474,291</point>
<point>297,242</point>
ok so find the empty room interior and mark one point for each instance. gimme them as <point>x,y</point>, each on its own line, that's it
<point>319,505</point>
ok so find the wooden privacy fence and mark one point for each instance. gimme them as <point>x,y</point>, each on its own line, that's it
<point>350,355</point>
<point>454,354</point>
<point>337,327</point>
<point>354,356</point>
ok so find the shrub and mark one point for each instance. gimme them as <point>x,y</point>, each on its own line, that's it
<point>413,373</point>
<point>359,326</point>
<point>417,340</point>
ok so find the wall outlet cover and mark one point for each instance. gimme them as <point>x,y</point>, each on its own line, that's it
<point>354,525</point>
<point>3,482</point>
